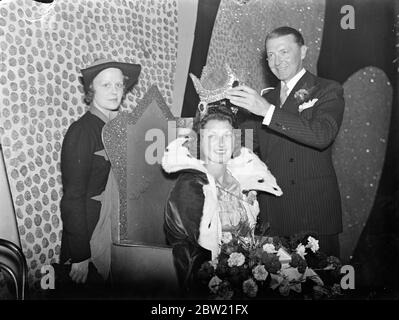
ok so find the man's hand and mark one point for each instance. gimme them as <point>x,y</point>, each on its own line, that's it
<point>247,98</point>
<point>79,271</point>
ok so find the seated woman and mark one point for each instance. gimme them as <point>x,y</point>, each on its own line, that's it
<point>207,199</point>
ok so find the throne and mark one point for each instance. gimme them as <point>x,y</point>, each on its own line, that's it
<point>142,262</point>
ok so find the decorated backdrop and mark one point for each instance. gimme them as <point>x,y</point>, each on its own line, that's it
<point>238,36</point>
<point>43,48</point>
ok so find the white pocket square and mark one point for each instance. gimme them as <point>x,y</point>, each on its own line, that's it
<point>307,105</point>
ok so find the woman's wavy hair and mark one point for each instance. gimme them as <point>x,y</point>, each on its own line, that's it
<point>89,95</point>
<point>220,110</point>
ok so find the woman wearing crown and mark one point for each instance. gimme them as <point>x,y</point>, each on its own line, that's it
<point>208,200</point>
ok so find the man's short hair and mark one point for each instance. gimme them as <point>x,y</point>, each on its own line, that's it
<point>284,31</point>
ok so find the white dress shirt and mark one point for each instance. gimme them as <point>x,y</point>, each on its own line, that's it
<point>290,84</point>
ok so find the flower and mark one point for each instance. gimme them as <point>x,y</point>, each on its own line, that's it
<point>253,266</point>
<point>250,288</point>
<point>269,248</point>
<point>334,261</point>
<point>260,273</point>
<point>301,250</point>
<point>225,292</point>
<point>304,94</point>
<point>271,262</point>
<point>229,248</point>
<point>255,255</point>
<point>313,244</point>
<point>301,95</point>
<point>236,259</point>
<point>227,237</point>
<point>214,283</point>
<point>298,262</point>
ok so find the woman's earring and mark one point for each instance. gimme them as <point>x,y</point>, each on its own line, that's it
<point>203,108</point>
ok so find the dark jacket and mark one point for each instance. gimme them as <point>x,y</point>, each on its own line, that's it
<point>183,215</point>
<point>85,169</point>
<point>296,147</point>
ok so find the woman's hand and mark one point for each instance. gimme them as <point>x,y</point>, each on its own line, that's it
<point>79,271</point>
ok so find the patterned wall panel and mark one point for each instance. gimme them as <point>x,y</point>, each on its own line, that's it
<point>238,37</point>
<point>43,48</point>
<point>359,150</point>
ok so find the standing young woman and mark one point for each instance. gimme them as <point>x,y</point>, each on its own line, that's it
<point>85,166</point>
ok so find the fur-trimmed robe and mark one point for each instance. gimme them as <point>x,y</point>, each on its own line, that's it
<point>192,223</point>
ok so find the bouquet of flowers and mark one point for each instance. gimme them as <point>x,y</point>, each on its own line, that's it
<point>260,267</point>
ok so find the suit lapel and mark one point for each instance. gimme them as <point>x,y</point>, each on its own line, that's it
<point>264,133</point>
<point>307,81</point>
<point>274,96</point>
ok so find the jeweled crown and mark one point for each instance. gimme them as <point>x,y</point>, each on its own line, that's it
<point>213,85</point>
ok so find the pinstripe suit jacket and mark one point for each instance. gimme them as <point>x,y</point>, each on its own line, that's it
<point>296,147</point>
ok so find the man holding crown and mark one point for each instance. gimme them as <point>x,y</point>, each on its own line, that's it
<point>299,120</point>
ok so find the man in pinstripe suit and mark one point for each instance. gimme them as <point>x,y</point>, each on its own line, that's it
<point>296,124</point>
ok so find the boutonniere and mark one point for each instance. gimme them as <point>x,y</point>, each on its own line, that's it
<point>303,96</point>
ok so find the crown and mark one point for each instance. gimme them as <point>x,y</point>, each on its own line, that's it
<point>213,86</point>
<point>210,88</point>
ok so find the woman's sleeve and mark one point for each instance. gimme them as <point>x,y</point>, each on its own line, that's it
<point>182,220</point>
<point>76,157</point>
